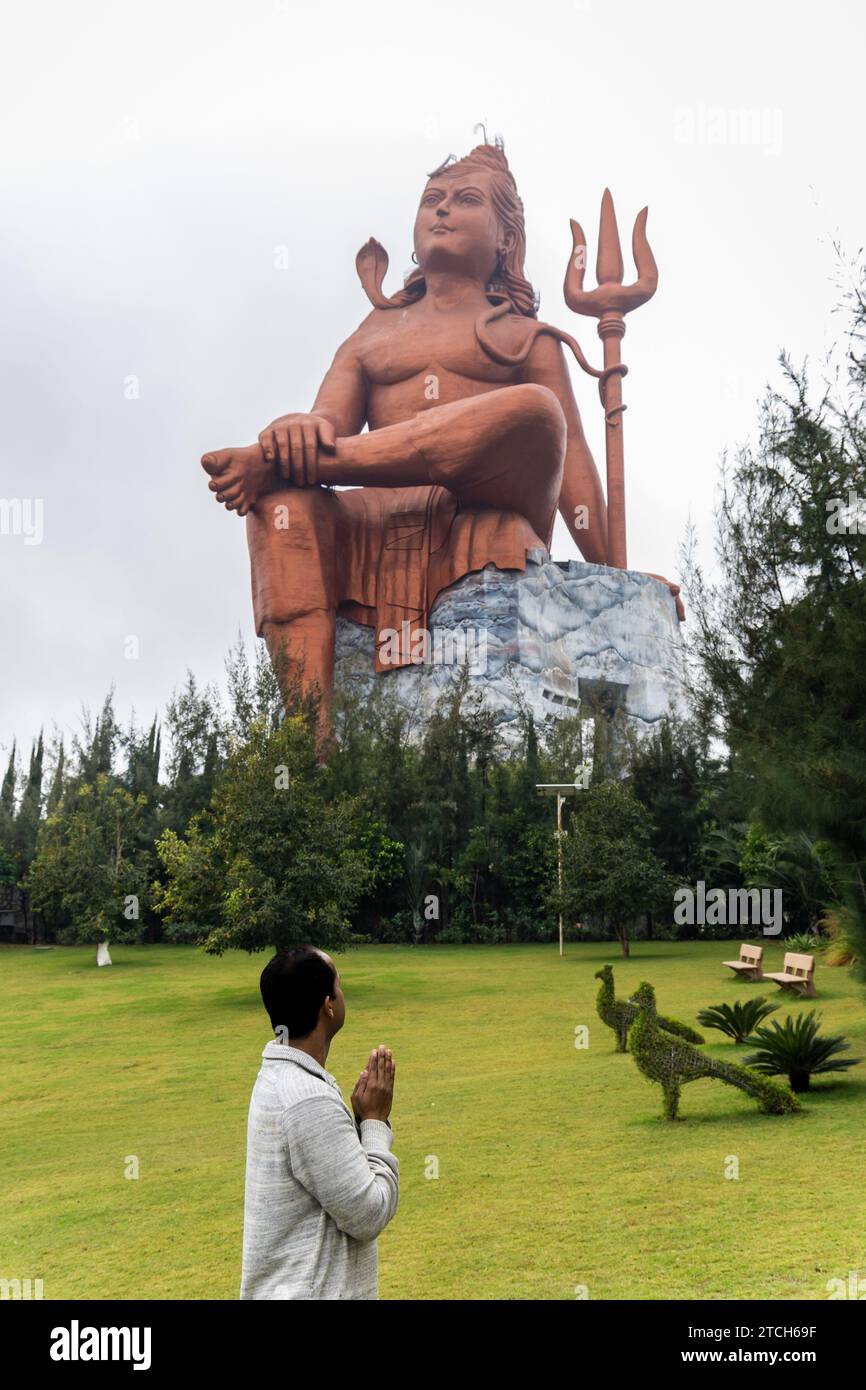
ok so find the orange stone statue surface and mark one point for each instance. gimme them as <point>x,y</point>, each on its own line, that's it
<point>473,439</point>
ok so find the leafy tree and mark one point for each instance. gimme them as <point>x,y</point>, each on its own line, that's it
<point>521,843</point>
<point>58,777</point>
<point>451,789</point>
<point>27,819</point>
<point>780,634</point>
<point>193,722</point>
<point>86,879</point>
<point>8,785</point>
<point>9,866</point>
<point>672,775</point>
<point>797,865</point>
<point>254,695</point>
<point>609,868</point>
<point>273,861</point>
<point>96,746</point>
<point>143,755</point>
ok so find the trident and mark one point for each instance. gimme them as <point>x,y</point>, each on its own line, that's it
<point>609,303</point>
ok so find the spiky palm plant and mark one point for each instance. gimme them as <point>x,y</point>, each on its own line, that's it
<point>738,1020</point>
<point>796,1049</point>
<point>805,941</point>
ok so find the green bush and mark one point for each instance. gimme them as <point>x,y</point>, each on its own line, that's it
<point>672,1062</point>
<point>397,930</point>
<point>795,1049</point>
<point>184,933</point>
<point>462,929</point>
<point>805,941</point>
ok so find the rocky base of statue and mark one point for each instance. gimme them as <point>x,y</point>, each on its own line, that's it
<point>559,637</point>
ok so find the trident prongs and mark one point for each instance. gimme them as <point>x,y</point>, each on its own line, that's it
<point>611,295</point>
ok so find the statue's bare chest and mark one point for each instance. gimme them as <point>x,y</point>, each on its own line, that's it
<point>412,346</point>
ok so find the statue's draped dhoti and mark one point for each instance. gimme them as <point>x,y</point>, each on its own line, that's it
<point>381,555</point>
<point>377,555</point>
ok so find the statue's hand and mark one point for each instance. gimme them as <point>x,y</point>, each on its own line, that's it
<point>294,442</point>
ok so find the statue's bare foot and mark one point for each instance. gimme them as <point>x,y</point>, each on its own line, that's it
<point>239,477</point>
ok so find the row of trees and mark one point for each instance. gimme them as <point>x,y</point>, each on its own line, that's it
<point>222,824</point>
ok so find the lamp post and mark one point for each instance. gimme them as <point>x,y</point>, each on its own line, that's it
<point>561,790</point>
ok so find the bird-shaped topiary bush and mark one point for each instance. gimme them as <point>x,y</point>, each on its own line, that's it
<point>671,1062</point>
<point>620,1014</point>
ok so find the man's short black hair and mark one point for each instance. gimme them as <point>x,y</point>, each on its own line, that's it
<point>295,985</point>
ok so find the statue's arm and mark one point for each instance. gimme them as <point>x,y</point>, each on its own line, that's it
<point>342,396</point>
<point>296,442</point>
<point>581,499</point>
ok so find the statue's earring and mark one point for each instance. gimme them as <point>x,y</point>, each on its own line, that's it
<point>414,258</point>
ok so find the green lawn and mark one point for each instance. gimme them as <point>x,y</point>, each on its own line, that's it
<point>555,1169</point>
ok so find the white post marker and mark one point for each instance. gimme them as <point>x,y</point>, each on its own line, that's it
<point>561,790</point>
<point>102,956</point>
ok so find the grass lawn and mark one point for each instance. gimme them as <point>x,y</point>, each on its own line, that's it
<point>555,1168</point>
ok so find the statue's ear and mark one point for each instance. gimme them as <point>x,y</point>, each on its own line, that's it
<point>371,264</point>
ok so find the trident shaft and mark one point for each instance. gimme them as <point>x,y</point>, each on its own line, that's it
<point>609,303</point>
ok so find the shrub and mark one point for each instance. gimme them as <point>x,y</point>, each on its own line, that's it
<point>462,929</point>
<point>805,941</point>
<point>672,1063</point>
<point>184,933</point>
<point>795,1049</point>
<point>738,1020</point>
<point>840,925</point>
<point>397,930</point>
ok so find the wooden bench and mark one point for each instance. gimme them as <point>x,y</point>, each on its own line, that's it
<point>797,975</point>
<point>750,963</point>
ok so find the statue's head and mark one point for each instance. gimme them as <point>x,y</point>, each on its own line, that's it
<point>605,974</point>
<point>470,218</point>
<point>644,997</point>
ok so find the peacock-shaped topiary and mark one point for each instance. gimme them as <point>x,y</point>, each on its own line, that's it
<point>620,1014</point>
<point>671,1062</point>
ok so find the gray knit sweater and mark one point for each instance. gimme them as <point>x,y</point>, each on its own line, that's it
<point>317,1194</point>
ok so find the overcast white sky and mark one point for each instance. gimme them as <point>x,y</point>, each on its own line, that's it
<point>156,154</point>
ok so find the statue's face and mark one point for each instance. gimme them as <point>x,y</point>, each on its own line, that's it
<point>457,228</point>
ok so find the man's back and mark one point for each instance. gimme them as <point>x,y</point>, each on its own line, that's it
<point>316,1195</point>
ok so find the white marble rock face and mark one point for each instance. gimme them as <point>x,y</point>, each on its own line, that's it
<point>547,636</point>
